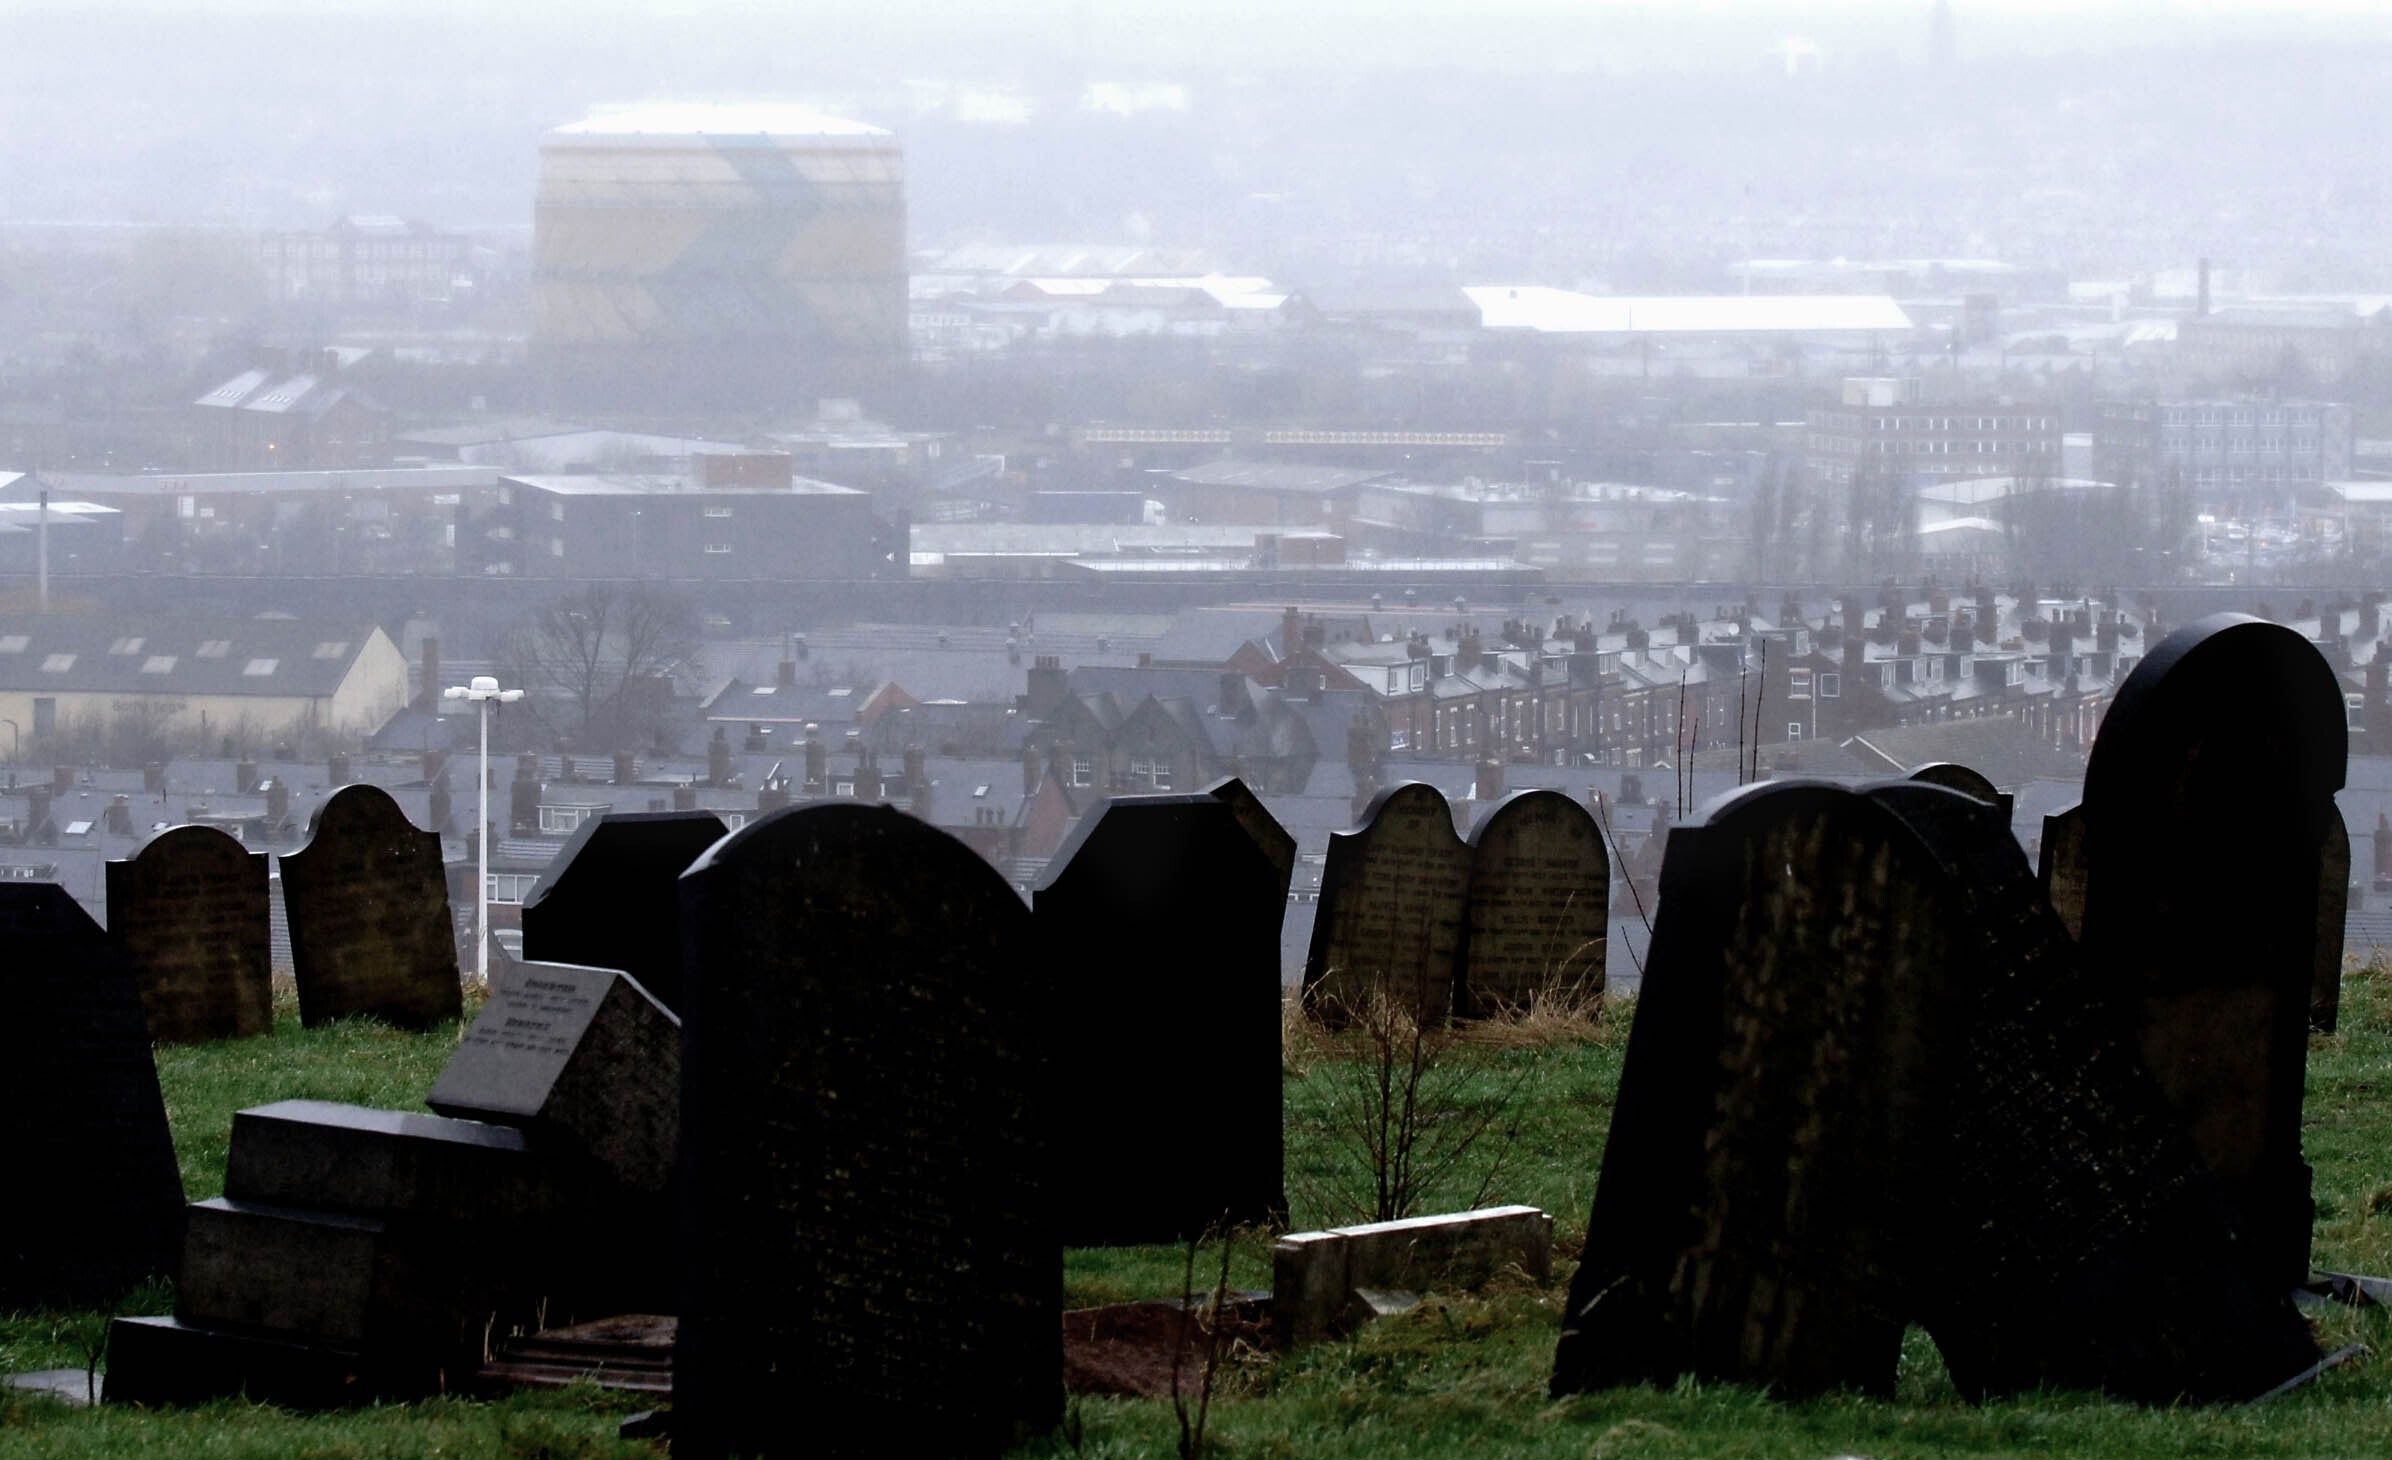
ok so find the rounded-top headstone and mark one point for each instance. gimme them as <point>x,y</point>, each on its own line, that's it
<point>367,902</point>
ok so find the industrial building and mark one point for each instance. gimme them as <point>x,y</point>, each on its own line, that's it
<point>719,257</point>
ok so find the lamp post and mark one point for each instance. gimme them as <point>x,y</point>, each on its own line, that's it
<point>482,691</point>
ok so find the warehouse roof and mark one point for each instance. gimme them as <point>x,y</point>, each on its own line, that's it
<point>274,657</point>
<point>1565,311</point>
<point>773,121</point>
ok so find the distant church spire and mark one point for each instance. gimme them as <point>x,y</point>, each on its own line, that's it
<point>1943,49</point>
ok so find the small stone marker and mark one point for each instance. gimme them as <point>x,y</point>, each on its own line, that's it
<point>2062,869</point>
<point>1161,918</point>
<point>872,1232</point>
<point>582,1054</point>
<point>95,1197</point>
<point>1277,843</point>
<point>1539,900</point>
<point>2209,797</point>
<point>190,912</point>
<point>612,897</point>
<point>1315,1276</point>
<point>1393,899</point>
<point>369,913</point>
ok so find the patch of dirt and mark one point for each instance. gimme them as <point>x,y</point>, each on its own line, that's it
<point>1128,1348</point>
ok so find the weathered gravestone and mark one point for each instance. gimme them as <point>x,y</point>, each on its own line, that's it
<point>190,912</point>
<point>1277,843</point>
<point>1539,898</point>
<point>870,1233</point>
<point>1393,898</point>
<point>1751,1221</point>
<point>612,897</point>
<point>581,1055</point>
<point>1867,1086</point>
<point>2209,801</point>
<point>2080,1241</point>
<point>369,914</point>
<point>1160,917</point>
<point>95,1198</point>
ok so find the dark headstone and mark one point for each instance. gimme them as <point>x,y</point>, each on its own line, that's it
<point>1878,1090</point>
<point>2080,1242</point>
<point>2209,797</point>
<point>189,911</point>
<point>1540,894</point>
<point>95,1199</point>
<point>1967,780</point>
<point>369,914</point>
<point>367,1162</point>
<point>1160,917</point>
<point>582,1055</point>
<point>1392,903</point>
<point>869,1222</point>
<point>161,1361</point>
<point>612,897</point>
<point>1752,1222</point>
<point>1277,843</point>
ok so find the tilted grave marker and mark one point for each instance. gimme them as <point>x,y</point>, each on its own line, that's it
<point>1537,910</point>
<point>2209,799</point>
<point>1869,1085</point>
<point>1160,917</point>
<point>1751,1222</point>
<point>96,1198</point>
<point>1393,898</point>
<point>870,1228</point>
<point>582,1055</point>
<point>369,913</point>
<point>1967,780</point>
<point>612,897</point>
<point>190,911</point>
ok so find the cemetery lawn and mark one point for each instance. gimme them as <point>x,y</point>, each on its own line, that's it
<point>1463,1373</point>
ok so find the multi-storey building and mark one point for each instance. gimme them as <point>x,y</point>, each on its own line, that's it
<point>1880,430</point>
<point>2224,448</point>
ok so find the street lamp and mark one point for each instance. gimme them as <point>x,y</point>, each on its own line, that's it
<point>482,691</point>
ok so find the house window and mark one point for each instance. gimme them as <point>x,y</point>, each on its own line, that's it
<point>1793,729</point>
<point>843,787</point>
<point>718,511</point>
<point>556,547</point>
<point>561,820</point>
<point>719,549</point>
<point>511,888</point>
<point>1083,770</point>
<point>1399,740</point>
<point>556,512</point>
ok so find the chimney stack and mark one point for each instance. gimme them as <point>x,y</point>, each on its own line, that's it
<point>626,768</point>
<point>718,759</point>
<point>429,700</point>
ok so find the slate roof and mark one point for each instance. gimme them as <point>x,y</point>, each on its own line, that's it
<point>269,657</point>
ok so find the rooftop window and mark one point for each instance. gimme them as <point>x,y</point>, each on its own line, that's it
<point>215,648</point>
<point>58,664</point>
<point>331,649</point>
<point>259,668</point>
<point>158,664</point>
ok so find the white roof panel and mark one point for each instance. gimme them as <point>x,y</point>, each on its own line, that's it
<point>681,121</point>
<point>1547,310</point>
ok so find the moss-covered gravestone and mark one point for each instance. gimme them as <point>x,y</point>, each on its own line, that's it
<point>1394,896</point>
<point>369,914</point>
<point>872,1262</point>
<point>1537,912</point>
<point>190,912</point>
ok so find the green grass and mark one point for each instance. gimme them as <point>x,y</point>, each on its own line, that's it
<point>1463,1373</point>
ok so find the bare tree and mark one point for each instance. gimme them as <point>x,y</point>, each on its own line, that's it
<point>599,660</point>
